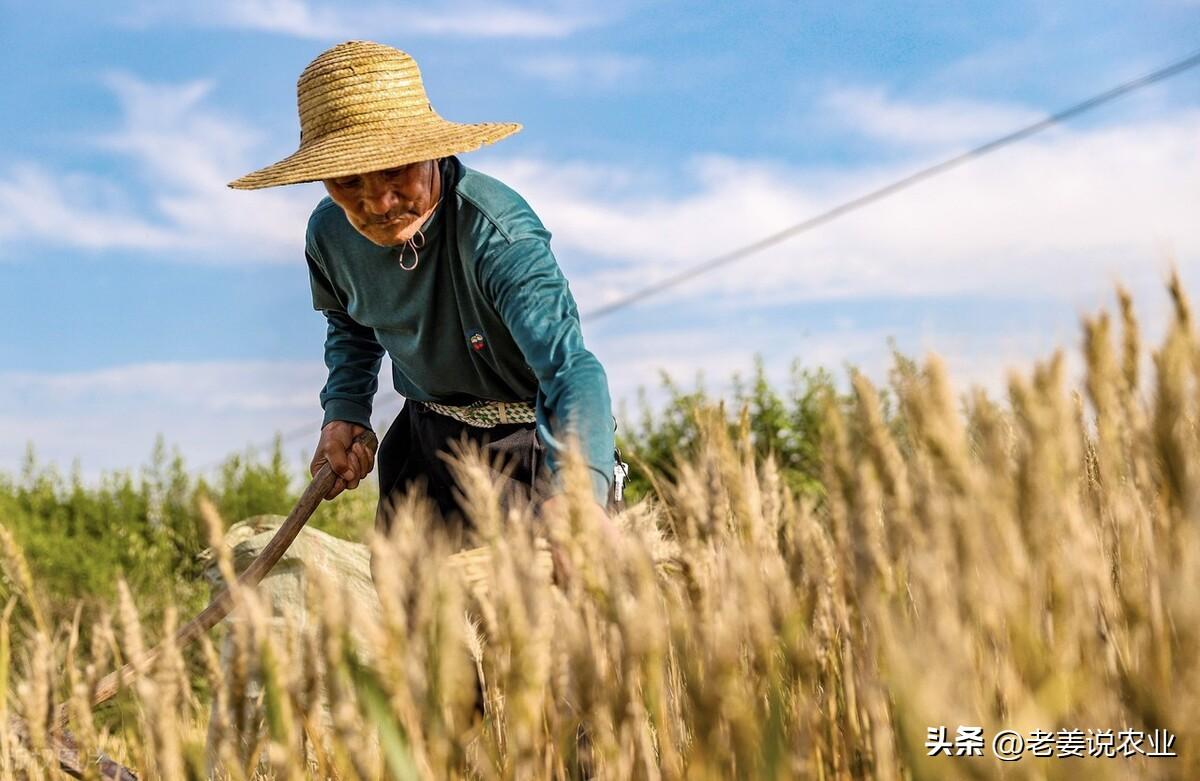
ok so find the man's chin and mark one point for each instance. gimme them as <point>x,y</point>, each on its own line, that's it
<point>389,237</point>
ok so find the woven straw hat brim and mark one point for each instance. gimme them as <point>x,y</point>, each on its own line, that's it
<point>374,149</point>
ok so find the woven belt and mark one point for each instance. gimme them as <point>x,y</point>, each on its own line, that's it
<point>485,414</point>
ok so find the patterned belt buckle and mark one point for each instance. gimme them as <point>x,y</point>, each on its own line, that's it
<point>486,414</point>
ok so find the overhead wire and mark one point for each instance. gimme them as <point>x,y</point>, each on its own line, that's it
<point>888,190</point>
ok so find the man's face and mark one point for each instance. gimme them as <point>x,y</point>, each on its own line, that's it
<point>382,204</point>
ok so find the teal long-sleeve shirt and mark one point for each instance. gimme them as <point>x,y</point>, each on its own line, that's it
<point>486,314</point>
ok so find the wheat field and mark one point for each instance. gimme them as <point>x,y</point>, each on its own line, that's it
<point>1030,564</point>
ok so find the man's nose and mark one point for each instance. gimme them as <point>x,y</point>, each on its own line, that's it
<point>379,200</point>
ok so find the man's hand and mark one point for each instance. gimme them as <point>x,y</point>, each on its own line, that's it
<point>557,505</point>
<point>350,461</point>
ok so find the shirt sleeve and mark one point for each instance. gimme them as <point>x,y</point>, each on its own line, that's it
<point>352,355</point>
<point>534,300</point>
<point>324,297</point>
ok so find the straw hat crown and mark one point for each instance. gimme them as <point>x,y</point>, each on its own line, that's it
<point>363,108</point>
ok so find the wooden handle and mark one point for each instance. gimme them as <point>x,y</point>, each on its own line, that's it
<point>220,605</point>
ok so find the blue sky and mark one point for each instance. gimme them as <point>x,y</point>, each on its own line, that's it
<point>143,297</point>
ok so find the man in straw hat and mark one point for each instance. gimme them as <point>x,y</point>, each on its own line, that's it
<point>447,270</point>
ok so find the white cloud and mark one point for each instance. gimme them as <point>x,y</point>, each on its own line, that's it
<point>69,209</point>
<point>872,113</point>
<point>215,386</point>
<point>182,153</point>
<point>108,418</point>
<point>327,21</point>
<point>1064,215</point>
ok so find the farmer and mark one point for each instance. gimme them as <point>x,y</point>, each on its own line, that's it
<point>450,273</point>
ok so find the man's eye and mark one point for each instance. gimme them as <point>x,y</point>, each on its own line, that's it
<point>348,183</point>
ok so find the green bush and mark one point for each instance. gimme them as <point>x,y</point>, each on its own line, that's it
<point>786,425</point>
<point>145,526</point>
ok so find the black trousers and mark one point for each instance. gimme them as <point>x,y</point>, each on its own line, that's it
<point>409,456</point>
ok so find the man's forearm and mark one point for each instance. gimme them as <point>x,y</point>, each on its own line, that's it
<point>353,356</point>
<point>579,405</point>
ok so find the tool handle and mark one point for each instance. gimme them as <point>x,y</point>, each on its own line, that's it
<point>221,604</point>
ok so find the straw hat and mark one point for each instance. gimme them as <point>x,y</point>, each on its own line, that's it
<point>363,108</point>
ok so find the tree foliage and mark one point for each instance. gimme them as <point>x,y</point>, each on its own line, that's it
<point>784,423</point>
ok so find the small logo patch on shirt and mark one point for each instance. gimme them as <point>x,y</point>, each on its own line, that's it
<point>475,339</point>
